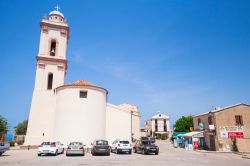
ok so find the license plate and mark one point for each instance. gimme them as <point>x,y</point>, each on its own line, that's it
<point>45,151</point>
<point>153,149</point>
<point>125,150</point>
<point>102,149</point>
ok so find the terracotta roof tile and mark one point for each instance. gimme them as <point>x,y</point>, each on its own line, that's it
<point>82,83</point>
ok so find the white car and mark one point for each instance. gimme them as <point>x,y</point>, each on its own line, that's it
<point>4,147</point>
<point>50,147</point>
<point>121,146</point>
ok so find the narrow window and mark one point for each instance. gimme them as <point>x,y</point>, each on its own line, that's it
<point>165,125</point>
<point>156,125</point>
<point>199,121</point>
<point>50,81</point>
<point>53,48</point>
<point>83,94</point>
<point>238,120</point>
<point>209,120</point>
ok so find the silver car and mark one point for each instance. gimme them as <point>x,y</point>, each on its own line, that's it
<point>75,148</point>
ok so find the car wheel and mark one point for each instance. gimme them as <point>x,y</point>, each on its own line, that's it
<point>144,152</point>
<point>38,154</point>
<point>134,149</point>
<point>108,154</point>
<point>130,152</point>
<point>156,153</point>
<point>55,153</point>
<point>62,151</point>
<point>116,151</point>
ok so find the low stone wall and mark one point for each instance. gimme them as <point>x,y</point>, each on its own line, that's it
<point>243,145</point>
<point>28,146</point>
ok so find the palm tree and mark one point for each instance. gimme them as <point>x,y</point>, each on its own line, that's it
<point>3,127</point>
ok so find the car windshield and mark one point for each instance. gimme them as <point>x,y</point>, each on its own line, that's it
<point>101,142</point>
<point>124,142</point>
<point>75,143</point>
<point>48,143</point>
<point>147,142</point>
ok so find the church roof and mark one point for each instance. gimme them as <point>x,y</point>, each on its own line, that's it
<point>56,13</point>
<point>82,83</point>
<point>160,116</point>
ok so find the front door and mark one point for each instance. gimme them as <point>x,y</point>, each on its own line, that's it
<point>212,142</point>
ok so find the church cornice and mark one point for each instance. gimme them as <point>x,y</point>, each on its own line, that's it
<point>64,61</point>
<point>64,28</point>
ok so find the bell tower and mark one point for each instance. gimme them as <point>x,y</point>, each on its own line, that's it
<point>50,73</point>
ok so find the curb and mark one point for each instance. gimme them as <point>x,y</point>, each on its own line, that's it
<point>211,151</point>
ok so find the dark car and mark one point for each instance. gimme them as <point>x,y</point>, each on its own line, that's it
<point>146,146</point>
<point>100,147</point>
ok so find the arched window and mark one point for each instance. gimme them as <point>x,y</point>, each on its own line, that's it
<point>209,119</point>
<point>199,121</point>
<point>53,48</point>
<point>50,81</point>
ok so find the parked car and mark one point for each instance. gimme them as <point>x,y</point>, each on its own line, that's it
<point>75,148</point>
<point>4,147</point>
<point>53,148</point>
<point>121,146</point>
<point>146,147</point>
<point>100,147</point>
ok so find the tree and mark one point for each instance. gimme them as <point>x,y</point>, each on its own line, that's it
<point>184,124</point>
<point>21,128</point>
<point>3,125</point>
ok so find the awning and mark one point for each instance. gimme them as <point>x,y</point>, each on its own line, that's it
<point>178,134</point>
<point>194,134</point>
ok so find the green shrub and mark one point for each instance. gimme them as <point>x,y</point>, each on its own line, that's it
<point>234,145</point>
<point>12,143</point>
<point>158,136</point>
<point>164,136</point>
<point>19,142</point>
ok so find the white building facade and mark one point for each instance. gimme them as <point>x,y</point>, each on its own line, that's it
<point>75,111</point>
<point>157,124</point>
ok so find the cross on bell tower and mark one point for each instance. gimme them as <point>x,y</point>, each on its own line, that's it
<point>57,7</point>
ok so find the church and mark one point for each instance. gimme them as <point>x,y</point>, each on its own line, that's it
<point>77,111</point>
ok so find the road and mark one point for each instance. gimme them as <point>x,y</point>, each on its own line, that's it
<point>168,156</point>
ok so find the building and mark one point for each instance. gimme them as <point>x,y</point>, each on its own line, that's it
<point>157,124</point>
<point>221,125</point>
<point>135,123</point>
<point>77,111</point>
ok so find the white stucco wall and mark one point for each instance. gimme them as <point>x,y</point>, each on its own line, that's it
<point>41,118</point>
<point>42,110</point>
<point>118,123</point>
<point>136,125</point>
<point>80,119</point>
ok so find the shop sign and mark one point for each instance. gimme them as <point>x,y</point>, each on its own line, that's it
<point>201,126</point>
<point>235,134</point>
<point>211,127</point>
<point>223,134</point>
<point>231,132</point>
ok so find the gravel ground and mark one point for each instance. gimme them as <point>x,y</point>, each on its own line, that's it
<point>168,156</point>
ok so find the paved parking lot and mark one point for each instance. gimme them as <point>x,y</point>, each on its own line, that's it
<point>168,156</point>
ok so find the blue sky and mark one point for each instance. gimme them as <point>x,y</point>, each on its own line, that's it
<point>175,56</point>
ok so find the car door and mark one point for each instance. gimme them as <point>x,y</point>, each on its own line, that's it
<point>113,146</point>
<point>140,146</point>
<point>137,145</point>
<point>59,147</point>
